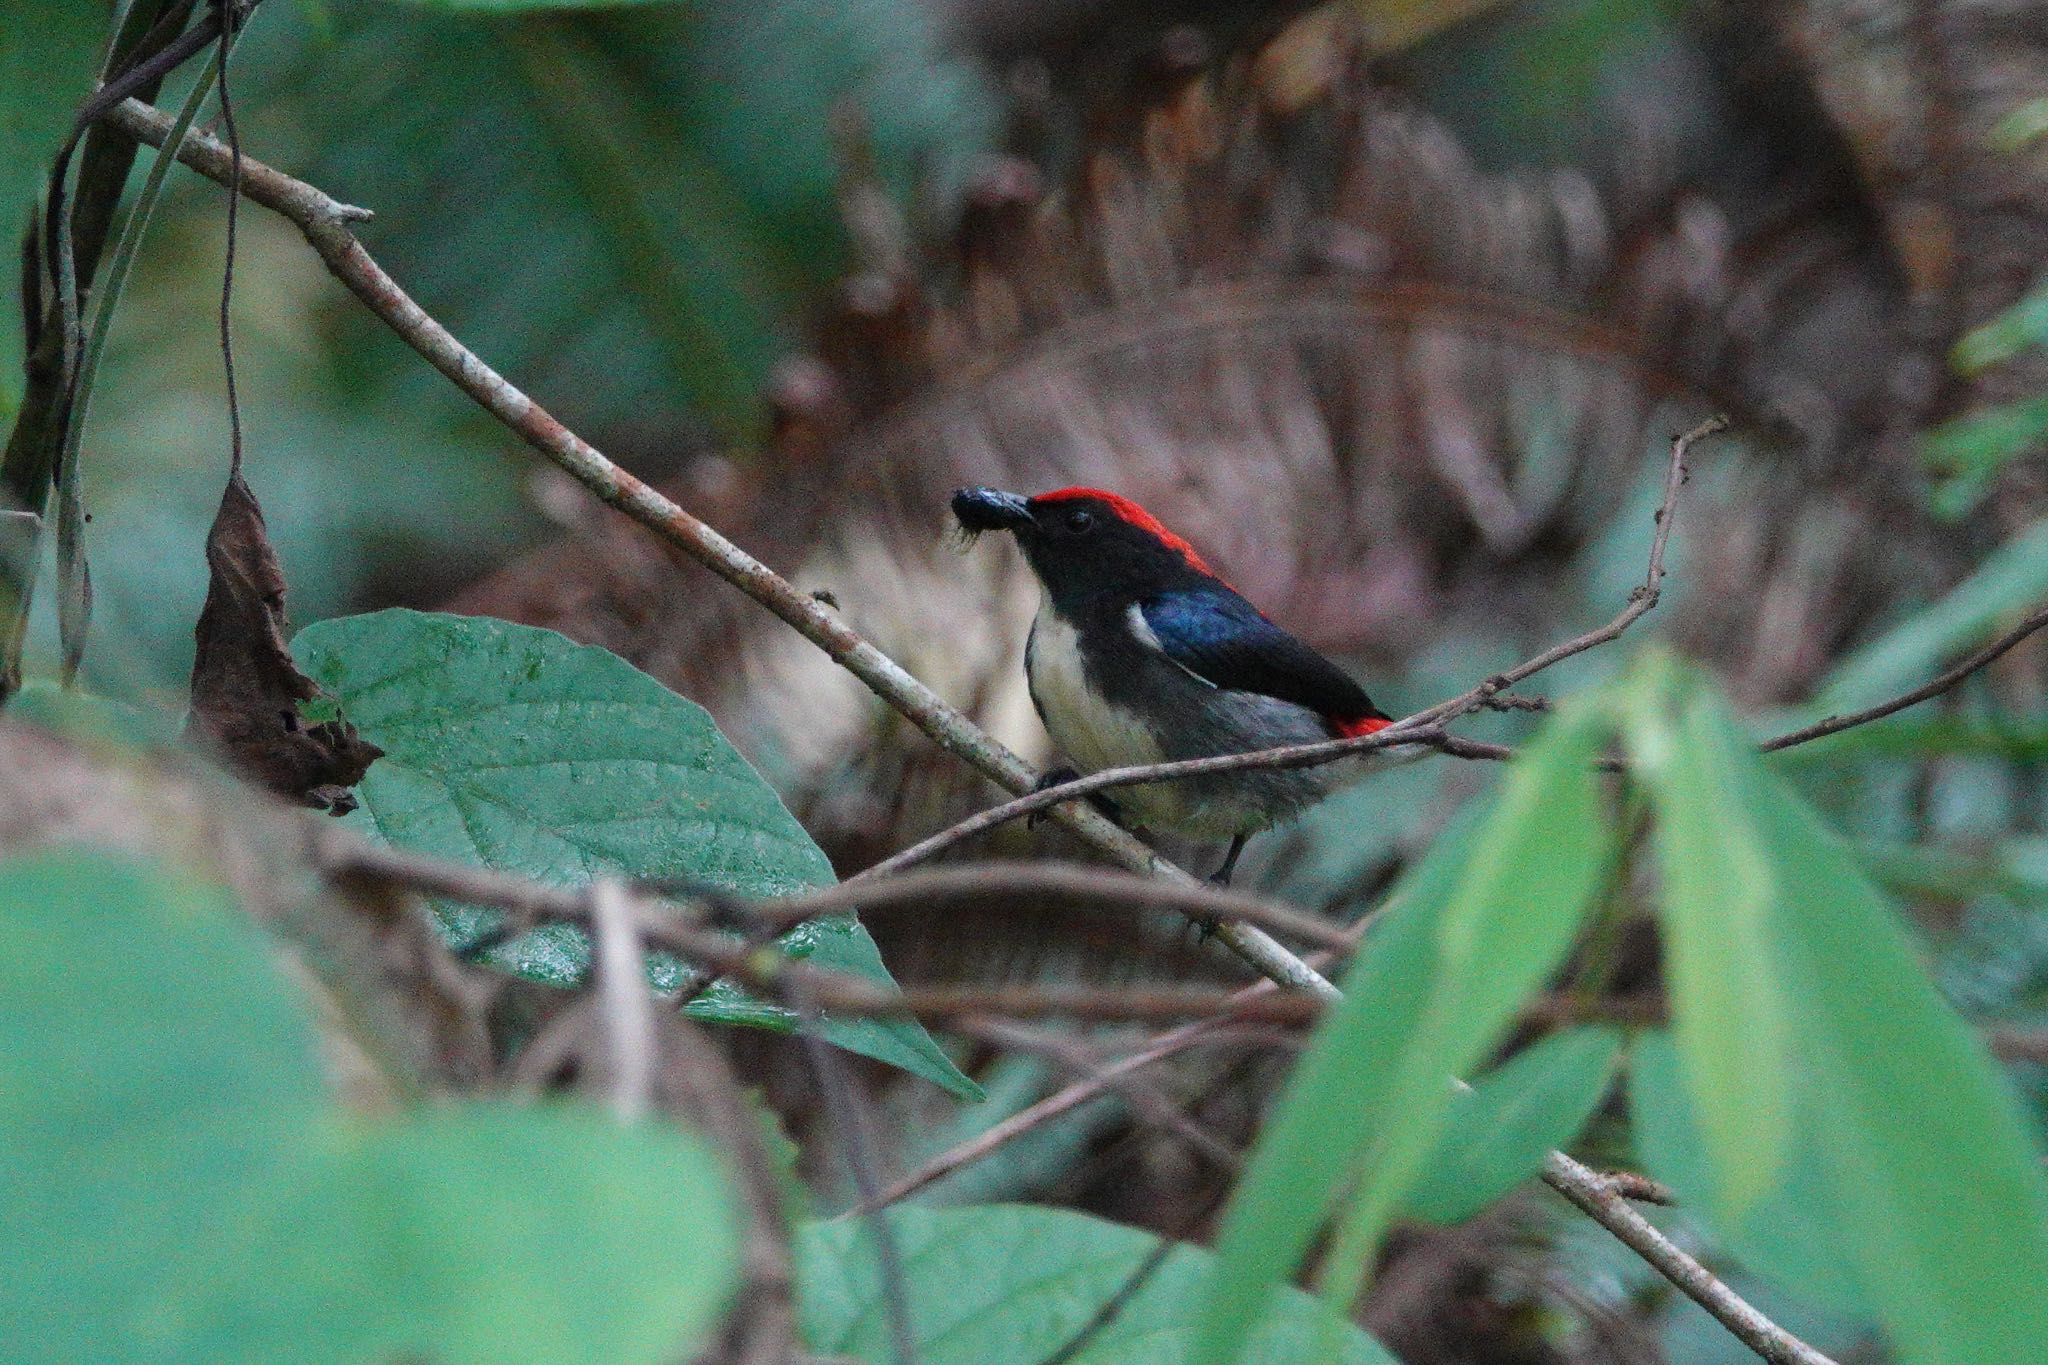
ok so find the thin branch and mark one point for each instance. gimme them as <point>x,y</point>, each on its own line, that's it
<point>1639,1188</point>
<point>1151,1105</point>
<point>1834,725</point>
<point>625,1001</point>
<point>846,1113</point>
<point>1410,730</point>
<point>1111,1308</point>
<point>1595,1195</point>
<point>225,13</point>
<point>325,224</point>
<point>1948,680</point>
<point>1065,1101</point>
<point>1641,601</point>
<point>341,854</point>
<point>1000,882</point>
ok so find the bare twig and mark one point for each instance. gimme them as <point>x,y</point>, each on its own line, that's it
<point>338,853</point>
<point>1834,725</point>
<point>844,1109</point>
<point>698,1084</point>
<point>1001,882</point>
<point>1593,1193</point>
<point>1633,1185</point>
<point>1112,1307</point>
<point>626,1004</point>
<point>1066,794</point>
<point>1063,1102</point>
<point>1146,1099</point>
<point>324,223</point>
<point>1971,663</point>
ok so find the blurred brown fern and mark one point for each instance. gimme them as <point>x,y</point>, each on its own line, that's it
<point>1390,395</point>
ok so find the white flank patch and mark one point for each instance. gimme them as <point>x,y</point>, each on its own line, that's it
<point>1091,732</point>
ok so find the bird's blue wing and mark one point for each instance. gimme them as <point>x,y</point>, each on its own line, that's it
<point>1228,643</point>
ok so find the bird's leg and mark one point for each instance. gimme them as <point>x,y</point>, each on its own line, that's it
<point>1057,777</point>
<point>1221,876</point>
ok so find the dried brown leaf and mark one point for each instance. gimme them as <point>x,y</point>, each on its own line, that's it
<point>248,696</point>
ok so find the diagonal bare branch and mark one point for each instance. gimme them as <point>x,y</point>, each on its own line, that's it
<point>325,224</point>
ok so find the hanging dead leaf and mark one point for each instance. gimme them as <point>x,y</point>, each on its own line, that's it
<point>248,696</point>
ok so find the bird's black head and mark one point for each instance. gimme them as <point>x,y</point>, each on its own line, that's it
<point>1085,544</point>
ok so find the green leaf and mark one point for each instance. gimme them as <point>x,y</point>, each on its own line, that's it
<point>516,749</point>
<point>1730,1008</point>
<point>2012,580</point>
<point>475,1233</point>
<point>1498,1133</point>
<point>150,1062</point>
<point>1965,454</point>
<point>1011,1283</point>
<point>180,1188</point>
<point>49,52</point>
<point>2021,125</point>
<point>1930,1175</point>
<point>2018,328</point>
<point>1788,1235</point>
<point>1471,933</point>
<point>1896,1143</point>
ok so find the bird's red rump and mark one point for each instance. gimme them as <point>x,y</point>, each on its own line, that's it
<point>1133,514</point>
<point>1363,725</point>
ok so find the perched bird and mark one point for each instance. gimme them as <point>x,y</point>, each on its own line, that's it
<point>1141,654</point>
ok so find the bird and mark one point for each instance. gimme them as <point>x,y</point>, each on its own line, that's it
<point>1141,653</point>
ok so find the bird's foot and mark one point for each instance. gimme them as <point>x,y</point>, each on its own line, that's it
<point>1221,876</point>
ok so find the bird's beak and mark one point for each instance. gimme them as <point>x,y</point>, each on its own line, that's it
<point>990,509</point>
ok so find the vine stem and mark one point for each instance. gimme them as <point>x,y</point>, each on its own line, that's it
<point>325,222</point>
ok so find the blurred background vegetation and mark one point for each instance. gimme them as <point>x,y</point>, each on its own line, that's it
<point>1391,305</point>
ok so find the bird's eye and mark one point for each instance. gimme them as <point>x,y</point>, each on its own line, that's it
<point>1080,519</point>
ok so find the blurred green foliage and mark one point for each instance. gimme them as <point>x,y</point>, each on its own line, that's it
<point>181,1187</point>
<point>626,209</point>
<point>49,51</point>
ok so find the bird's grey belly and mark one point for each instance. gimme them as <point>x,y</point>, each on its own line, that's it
<point>1186,718</point>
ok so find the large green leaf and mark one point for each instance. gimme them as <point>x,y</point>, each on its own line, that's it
<point>1930,1176</point>
<point>48,52</point>
<point>179,1187</point>
<point>1828,1081</point>
<point>1730,1006</point>
<point>1473,931</point>
<point>1787,1236</point>
<point>1012,1283</point>
<point>477,1233</point>
<point>150,1064</point>
<point>1498,1133</point>
<point>516,749</point>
